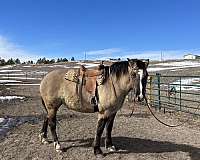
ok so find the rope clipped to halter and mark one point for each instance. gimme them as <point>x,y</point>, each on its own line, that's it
<point>168,125</point>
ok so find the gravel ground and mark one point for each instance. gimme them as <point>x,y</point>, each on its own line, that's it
<point>139,137</point>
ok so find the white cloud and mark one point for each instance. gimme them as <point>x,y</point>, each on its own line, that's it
<point>9,50</point>
<point>105,52</point>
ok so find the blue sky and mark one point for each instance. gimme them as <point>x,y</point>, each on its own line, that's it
<point>101,28</point>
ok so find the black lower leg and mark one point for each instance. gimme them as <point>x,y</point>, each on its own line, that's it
<point>44,128</point>
<point>52,125</point>
<point>109,126</point>
<point>97,140</point>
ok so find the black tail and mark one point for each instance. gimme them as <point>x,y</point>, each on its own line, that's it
<point>44,105</point>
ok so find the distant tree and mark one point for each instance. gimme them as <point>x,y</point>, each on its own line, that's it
<point>72,59</point>
<point>39,61</point>
<point>17,61</point>
<point>10,62</point>
<point>2,62</point>
<point>65,60</point>
<point>44,60</point>
<point>52,61</point>
<point>58,60</point>
<point>29,62</point>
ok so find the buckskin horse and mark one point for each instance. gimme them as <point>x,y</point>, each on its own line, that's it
<point>101,90</point>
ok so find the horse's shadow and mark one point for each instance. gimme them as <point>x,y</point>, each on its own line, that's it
<point>128,145</point>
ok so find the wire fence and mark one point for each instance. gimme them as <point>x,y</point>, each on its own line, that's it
<point>179,93</point>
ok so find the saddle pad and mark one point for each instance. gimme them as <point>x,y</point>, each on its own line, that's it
<point>72,75</point>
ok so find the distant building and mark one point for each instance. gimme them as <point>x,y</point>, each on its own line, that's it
<point>191,56</point>
<point>114,59</point>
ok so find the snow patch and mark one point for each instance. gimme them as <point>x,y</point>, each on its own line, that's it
<point>12,74</point>
<point>13,70</point>
<point>188,84</point>
<point>30,78</point>
<point>7,124</point>
<point>21,84</point>
<point>10,97</point>
<point>6,67</point>
<point>8,81</point>
<point>88,65</point>
<point>173,66</point>
<point>180,64</point>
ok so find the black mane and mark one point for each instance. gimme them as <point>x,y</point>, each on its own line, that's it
<point>119,68</point>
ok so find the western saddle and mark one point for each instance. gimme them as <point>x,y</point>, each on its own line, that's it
<point>88,79</point>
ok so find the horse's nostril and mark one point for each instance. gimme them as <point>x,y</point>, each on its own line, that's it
<point>94,100</point>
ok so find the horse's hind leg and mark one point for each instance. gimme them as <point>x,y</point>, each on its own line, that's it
<point>52,124</point>
<point>108,140</point>
<point>43,133</point>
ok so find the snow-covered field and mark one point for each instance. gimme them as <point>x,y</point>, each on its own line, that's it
<point>174,66</point>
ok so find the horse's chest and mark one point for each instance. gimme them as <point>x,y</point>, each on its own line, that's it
<point>112,104</point>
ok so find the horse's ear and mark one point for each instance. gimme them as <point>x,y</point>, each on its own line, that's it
<point>146,62</point>
<point>128,59</point>
<point>133,63</point>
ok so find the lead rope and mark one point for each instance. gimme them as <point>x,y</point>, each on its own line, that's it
<point>168,125</point>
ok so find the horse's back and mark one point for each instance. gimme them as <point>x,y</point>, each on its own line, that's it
<point>53,84</point>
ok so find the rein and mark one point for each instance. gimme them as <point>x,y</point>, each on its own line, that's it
<point>168,125</point>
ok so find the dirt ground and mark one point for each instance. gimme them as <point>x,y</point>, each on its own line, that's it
<point>139,137</point>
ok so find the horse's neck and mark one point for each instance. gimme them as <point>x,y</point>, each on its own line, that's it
<point>120,85</point>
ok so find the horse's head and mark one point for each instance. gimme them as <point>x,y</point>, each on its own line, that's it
<point>138,73</point>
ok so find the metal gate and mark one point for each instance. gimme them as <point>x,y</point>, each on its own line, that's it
<point>180,93</point>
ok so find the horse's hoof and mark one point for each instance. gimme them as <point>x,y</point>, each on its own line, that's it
<point>57,147</point>
<point>111,149</point>
<point>99,156</point>
<point>59,150</point>
<point>42,139</point>
<point>45,141</point>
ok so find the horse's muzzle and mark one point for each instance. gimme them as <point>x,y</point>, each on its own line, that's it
<point>140,98</point>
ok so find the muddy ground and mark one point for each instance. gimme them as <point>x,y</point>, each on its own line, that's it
<point>139,137</point>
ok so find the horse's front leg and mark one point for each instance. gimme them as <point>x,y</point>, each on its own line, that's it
<point>108,140</point>
<point>100,127</point>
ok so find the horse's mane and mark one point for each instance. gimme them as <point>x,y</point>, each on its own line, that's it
<point>117,69</point>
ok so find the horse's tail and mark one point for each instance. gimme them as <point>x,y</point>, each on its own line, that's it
<point>44,104</point>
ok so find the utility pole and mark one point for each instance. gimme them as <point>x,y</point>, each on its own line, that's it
<point>85,56</point>
<point>161,56</point>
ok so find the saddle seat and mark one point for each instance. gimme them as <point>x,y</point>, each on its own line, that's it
<point>88,79</point>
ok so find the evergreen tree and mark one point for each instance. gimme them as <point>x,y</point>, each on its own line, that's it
<point>52,61</point>
<point>17,61</point>
<point>2,62</point>
<point>10,62</point>
<point>58,60</point>
<point>65,60</point>
<point>39,61</point>
<point>72,59</point>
